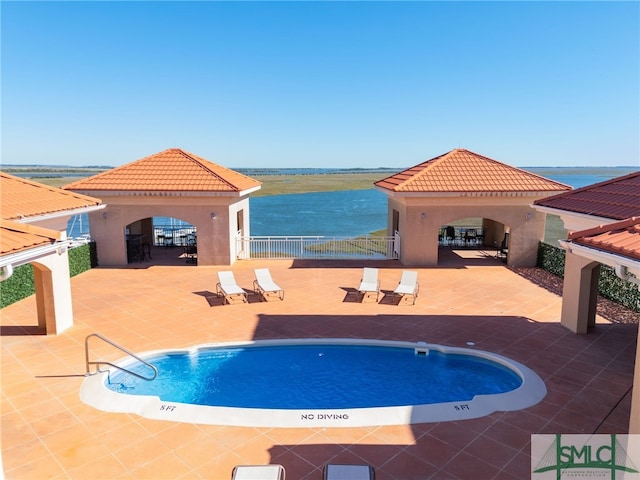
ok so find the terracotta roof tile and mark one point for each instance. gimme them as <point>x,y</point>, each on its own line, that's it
<point>463,171</point>
<point>21,198</point>
<point>620,238</point>
<point>170,170</point>
<point>618,198</point>
<point>16,237</point>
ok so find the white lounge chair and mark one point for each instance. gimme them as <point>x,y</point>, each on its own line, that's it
<point>408,285</point>
<point>265,286</point>
<point>348,472</point>
<point>258,472</point>
<point>369,283</point>
<point>228,288</point>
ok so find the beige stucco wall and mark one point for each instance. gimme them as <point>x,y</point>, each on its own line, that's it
<point>216,245</point>
<point>579,293</point>
<point>422,217</point>
<point>53,291</point>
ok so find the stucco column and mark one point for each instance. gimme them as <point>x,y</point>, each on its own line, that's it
<point>53,292</point>
<point>45,301</point>
<point>419,236</point>
<point>107,230</point>
<point>579,293</point>
<point>634,419</point>
<point>527,230</point>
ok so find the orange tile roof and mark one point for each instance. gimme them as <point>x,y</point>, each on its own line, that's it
<point>16,237</point>
<point>170,170</point>
<point>463,171</point>
<point>618,198</point>
<point>620,238</point>
<point>21,198</point>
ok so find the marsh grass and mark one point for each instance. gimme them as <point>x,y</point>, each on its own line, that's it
<point>374,245</point>
<point>57,182</point>
<point>271,184</point>
<point>326,182</point>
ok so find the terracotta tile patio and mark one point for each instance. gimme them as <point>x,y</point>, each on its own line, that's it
<point>47,432</point>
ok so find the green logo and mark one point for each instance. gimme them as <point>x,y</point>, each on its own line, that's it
<point>583,456</point>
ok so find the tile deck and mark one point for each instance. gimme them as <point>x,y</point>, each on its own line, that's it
<point>48,432</point>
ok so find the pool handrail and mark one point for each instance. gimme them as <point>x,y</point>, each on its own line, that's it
<point>121,348</point>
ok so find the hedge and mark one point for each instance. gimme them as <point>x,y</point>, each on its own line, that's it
<point>610,286</point>
<point>18,286</point>
<point>21,284</point>
<point>551,259</point>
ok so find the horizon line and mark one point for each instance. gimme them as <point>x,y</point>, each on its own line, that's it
<point>39,165</point>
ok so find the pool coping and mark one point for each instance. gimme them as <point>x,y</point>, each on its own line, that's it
<point>93,392</point>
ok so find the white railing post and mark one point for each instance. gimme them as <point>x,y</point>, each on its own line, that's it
<point>396,244</point>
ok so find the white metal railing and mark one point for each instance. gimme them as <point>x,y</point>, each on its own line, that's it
<point>168,236</point>
<point>324,247</point>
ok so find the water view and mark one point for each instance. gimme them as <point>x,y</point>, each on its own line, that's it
<point>346,212</point>
<point>342,213</point>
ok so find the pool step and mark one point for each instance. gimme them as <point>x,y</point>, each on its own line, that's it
<point>422,349</point>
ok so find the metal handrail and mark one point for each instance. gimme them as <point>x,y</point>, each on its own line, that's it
<point>119,347</point>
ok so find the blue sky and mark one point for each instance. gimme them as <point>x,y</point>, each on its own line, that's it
<point>321,84</point>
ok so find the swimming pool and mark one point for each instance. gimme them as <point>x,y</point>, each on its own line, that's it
<point>318,382</point>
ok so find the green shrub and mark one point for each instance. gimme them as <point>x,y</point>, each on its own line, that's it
<point>551,259</point>
<point>18,286</point>
<point>21,284</point>
<point>620,291</point>
<point>82,258</point>
<point>610,286</point>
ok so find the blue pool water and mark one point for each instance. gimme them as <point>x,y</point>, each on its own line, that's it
<point>316,377</point>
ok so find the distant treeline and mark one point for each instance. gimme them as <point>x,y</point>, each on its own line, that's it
<point>40,171</point>
<point>66,168</point>
<point>613,171</point>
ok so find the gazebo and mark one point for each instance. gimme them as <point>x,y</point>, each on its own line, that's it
<point>174,184</point>
<point>458,185</point>
<point>33,231</point>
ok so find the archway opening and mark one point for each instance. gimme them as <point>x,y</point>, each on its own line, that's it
<point>161,240</point>
<point>472,239</point>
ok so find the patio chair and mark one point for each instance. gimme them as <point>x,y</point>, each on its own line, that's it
<point>228,288</point>
<point>470,237</point>
<point>265,286</point>
<point>191,253</point>
<point>369,283</point>
<point>258,472</point>
<point>408,285</point>
<point>348,472</point>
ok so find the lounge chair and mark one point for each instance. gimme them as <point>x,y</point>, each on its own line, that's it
<point>265,286</point>
<point>258,472</point>
<point>228,288</point>
<point>348,472</point>
<point>408,286</point>
<point>369,283</point>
